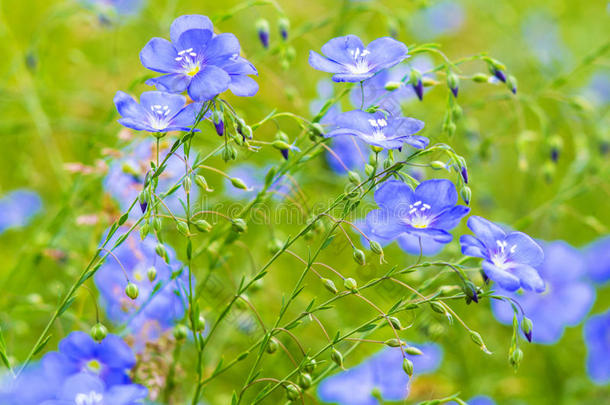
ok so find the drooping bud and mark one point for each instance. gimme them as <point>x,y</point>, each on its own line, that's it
<point>369,170</point>
<point>143,201</point>
<point>183,228</point>
<point>202,225</point>
<point>330,286</point>
<point>359,257</point>
<point>293,392</point>
<point>262,27</point>
<point>413,351</point>
<point>151,273</point>
<point>512,84</point>
<point>239,225</point>
<point>162,252</point>
<point>336,357</point>
<point>453,81</point>
<point>98,332</point>
<point>180,332</point>
<point>275,245</point>
<point>407,366</point>
<point>353,177</point>
<point>316,129</point>
<point>515,358</point>
<point>466,194</point>
<point>144,229</point>
<point>376,247</point>
<point>556,145</point>
<point>201,182</point>
<point>284,26</point>
<point>438,165</point>
<point>238,183</point>
<point>395,322</point>
<point>219,123</point>
<point>310,365</point>
<point>131,291</point>
<point>464,173</point>
<point>391,86</point>
<point>499,74</point>
<point>304,380</point>
<point>480,78</point>
<point>350,284</point>
<point>471,291</point>
<point>527,327</point>
<point>272,346</point>
<point>416,82</point>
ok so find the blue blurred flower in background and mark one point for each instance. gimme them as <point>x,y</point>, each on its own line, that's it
<point>382,372</point>
<point>541,34</point>
<point>198,61</point>
<point>157,112</point>
<point>85,389</point>
<point>598,90</point>
<point>377,129</point>
<point>511,258</point>
<point>597,255</point>
<point>17,209</point>
<point>110,8</point>
<point>566,301</point>
<point>478,400</point>
<point>426,213</point>
<point>597,339</point>
<point>161,300</point>
<point>440,18</point>
<point>351,61</point>
<point>126,175</point>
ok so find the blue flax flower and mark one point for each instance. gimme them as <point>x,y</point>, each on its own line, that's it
<point>598,260</point>
<point>17,208</point>
<point>382,372</point>
<point>351,61</point>
<point>567,299</point>
<point>597,340</point>
<point>85,389</point>
<point>426,213</point>
<point>150,313</point>
<point>157,111</point>
<point>199,61</point>
<point>108,8</point>
<point>377,129</point>
<point>510,258</point>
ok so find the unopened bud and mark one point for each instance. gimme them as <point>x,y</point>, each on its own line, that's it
<point>480,78</point>
<point>413,351</point>
<point>527,327</point>
<point>376,247</point>
<point>394,342</point>
<point>453,82</point>
<point>350,284</point>
<point>353,177</point>
<point>407,366</point>
<point>180,332</point>
<point>395,322</point>
<point>316,129</point>
<point>304,380</point>
<point>99,332</point>
<point>330,286</point>
<point>293,392</point>
<point>499,74</point>
<point>239,225</point>
<point>151,273</point>
<point>218,121</point>
<point>272,345</point>
<point>466,194</point>
<point>143,201</point>
<point>186,184</point>
<point>201,182</point>
<point>515,358</point>
<point>369,170</point>
<point>415,80</point>
<point>310,365</point>
<point>336,357</point>
<point>131,291</point>
<point>262,27</point>
<point>238,183</point>
<point>200,324</point>
<point>437,307</point>
<point>284,25</point>
<point>391,86</point>
<point>202,225</point>
<point>162,252</point>
<point>512,84</point>
<point>438,165</point>
<point>183,228</point>
<point>359,257</point>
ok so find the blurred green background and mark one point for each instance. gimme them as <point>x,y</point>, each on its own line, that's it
<point>61,66</point>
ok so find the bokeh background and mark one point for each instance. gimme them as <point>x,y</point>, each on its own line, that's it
<point>63,61</point>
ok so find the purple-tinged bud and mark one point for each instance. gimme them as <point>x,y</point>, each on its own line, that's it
<point>471,292</point>
<point>262,27</point>
<point>485,278</point>
<point>512,84</point>
<point>499,75</point>
<point>464,173</point>
<point>466,194</point>
<point>284,153</point>
<point>527,327</point>
<point>219,123</point>
<point>453,82</point>
<point>143,201</point>
<point>417,84</point>
<point>554,154</point>
<point>284,26</point>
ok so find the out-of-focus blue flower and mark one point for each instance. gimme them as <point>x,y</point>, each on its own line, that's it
<point>541,34</point>
<point>478,400</point>
<point>157,111</point>
<point>388,132</point>
<point>441,18</point>
<point>597,255</point>
<point>82,372</point>
<point>426,213</point>
<point>254,178</point>
<point>598,90</point>
<point>108,8</point>
<point>351,61</point>
<point>17,208</point>
<point>126,175</point>
<point>375,92</point>
<point>511,258</point>
<point>383,372</point>
<point>567,300</point>
<point>198,61</point>
<point>597,339</point>
<point>150,313</point>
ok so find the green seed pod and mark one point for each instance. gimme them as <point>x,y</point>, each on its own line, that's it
<point>201,182</point>
<point>310,365</point>
<point>394,342</point>
<point>98,332</point>
<point>395,322</point>
<point>330,286</point>
<point>436,307</point>
<point>186,184</point>
<point>350,284</point>
<point>280,145</point>
<point>238,183</point>
<point>438,165</point>
<point>144,229</point>
<point>304,380</point>
<point>275,245</point>
<point>180,332</point>
<point>202,225</point>
<point>376,247</point>
<point>293,392</point>
<point>480,78</point>
<point>272,345</point>
<point>157,224</point>
<point>151,273</point>
<point>369,170</point>
<point>391,86</point>
<point>239,225</point>
<point>359,257</point>
<point>200,324</point>
<point>413,351</point>
<point>132,291</point>
<point>336,357</point>
<point>353,177</point>
<point>162,252</point>
<point>515,358</point>
<point>407,366</point>
<point>183,228</point>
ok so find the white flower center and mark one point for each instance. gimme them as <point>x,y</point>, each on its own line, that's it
<point>500,256</point>
<point>159,116</point>
<point>360,65</point>
<point>190,61</point>
<point>418,216</point>
<point>378,125</point>
<point>91,398</point>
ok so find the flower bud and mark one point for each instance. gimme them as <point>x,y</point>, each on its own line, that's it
<point>480,78</point>
<point>144,229</point>
<point>262,27</point>
<point>466,194</point>
<point>275,245</point>
<point>183,228</point>
<point>238,183</point>
<point>515,358</point>
<point>353,177</point>
<point>218,121</point>
<point>438,165</point>
<point>180,332</point>
<point>369,170</point>
<point>407,366</point>
<point>464,173</point>
<point>330,286</point>
<point>310,365</point>
<point>359,257</point>
<point>376,247</point>
<point>151,273</point>
<point>239,225</point>
<point>162,252</point>
<point>98,332</point>
<point>413,351</point>
<point>304,380</point>
<point>272,345</point>
<point>143,201</point>
<point>526,327</point>
<point>436,307</point>
<point>336,357</point>
<point>229,153</point>
<point>284,25</point>
<point>200,324</point>
<point>394,342</point>
<point>415,80</point>
<point>512,84</point>
<point>316,129</point>
<point>350,284</point>
<point>395,322</point>
<point>453,82</point>
<point>202,225</point>
<point>391,86</point>
<point>201,182</point>
<point>293,392</point>
<point>499,74</point>
<point>471,292</point>
<point>186,184</point>
<point>131,291</point>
